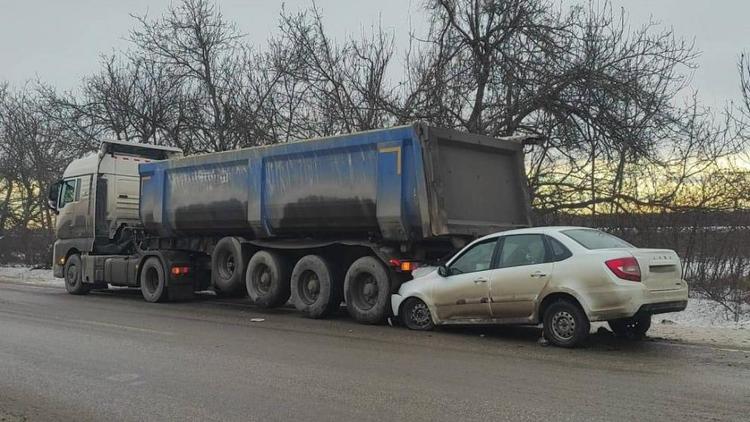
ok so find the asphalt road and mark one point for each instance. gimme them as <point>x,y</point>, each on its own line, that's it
<point>111,356</point>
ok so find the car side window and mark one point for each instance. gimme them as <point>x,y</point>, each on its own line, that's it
<point>69,192</point>
<point>477,258</point>
<point>522,249</point>
<point>559,251</point>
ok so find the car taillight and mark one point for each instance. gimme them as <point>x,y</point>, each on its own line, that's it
<point>625,268</point>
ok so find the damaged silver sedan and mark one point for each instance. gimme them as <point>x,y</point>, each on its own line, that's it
<point>562,277</point>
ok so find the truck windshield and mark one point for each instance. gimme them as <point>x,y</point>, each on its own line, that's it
<point>595,239</point>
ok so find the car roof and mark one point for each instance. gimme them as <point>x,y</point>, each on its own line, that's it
<point>535,230</point>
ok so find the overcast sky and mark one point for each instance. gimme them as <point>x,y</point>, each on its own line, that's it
<point>60,41</point>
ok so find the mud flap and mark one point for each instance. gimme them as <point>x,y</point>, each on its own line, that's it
<point>179,292</point>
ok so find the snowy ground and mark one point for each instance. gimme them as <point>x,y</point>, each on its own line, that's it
<point>705,313</point>
<point>703,322</point>
<point>27,275</point>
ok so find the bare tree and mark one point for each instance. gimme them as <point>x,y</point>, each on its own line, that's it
<point>327,87</point>
<point>33,152</point>
<point>744,71</point>
<point>596,90</point>
<point>199,48</point>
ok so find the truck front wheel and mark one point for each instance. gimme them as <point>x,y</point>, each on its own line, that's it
<point>228,267</point>
<point>368,290</point>
<point>267,279</point>
<point>316,288</point>
<point>153,280</point>
<point>73,273</point>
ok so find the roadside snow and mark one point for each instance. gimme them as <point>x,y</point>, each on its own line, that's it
<point>27,275</point>
<point>729,338</point>
<point>705,313</point>
<point>703,322</point>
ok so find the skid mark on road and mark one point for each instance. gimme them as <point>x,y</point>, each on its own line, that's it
<point>123,327</point>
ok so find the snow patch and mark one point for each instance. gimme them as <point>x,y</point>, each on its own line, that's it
<point>705,313</point>
<point>28,275</point>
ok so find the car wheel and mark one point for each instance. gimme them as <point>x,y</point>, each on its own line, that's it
<point>267,279</point>
<point>73,273</point>
<point>368,290</point>
<point>416,315</point>
<point>634,328</point>
<point>316,287</point>
<point>153,280</point>
<point>565,324</point>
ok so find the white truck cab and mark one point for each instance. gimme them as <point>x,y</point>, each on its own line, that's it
<point>98,196</point>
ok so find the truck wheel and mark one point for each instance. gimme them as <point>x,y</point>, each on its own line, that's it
<point>565,324</point>
<point>73,273</point>
<point>153,280</point>
<point>228,267</point>
<point>316,290</point>
<point>633,328</point>
<point>368,290</point>
<point>267,279</point>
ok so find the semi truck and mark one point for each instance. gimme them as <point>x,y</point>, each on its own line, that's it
<point>316,222</point>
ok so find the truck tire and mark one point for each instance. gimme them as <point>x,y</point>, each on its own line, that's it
<point>316,289</point>
<point>565,324</point>
<point>368,290</point>
<point>634,328</point>
<point>73,274</point>
<point>228,262</point>
<point>267,279</point>
<point>153,280</point>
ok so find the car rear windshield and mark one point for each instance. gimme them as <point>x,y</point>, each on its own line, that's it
<point>595,239</point>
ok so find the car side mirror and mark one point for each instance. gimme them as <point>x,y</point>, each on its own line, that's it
<point>443,271</point>
<point>52,195</point>
<point>52,205</point>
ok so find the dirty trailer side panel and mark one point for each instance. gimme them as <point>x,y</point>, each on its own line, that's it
<point>401,184</point>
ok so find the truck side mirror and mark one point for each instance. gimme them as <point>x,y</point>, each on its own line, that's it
<point>443,271</point>
<point>52,196</point>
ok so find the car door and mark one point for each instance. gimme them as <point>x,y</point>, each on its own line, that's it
<point>524,266</point>
<point>464,292</point>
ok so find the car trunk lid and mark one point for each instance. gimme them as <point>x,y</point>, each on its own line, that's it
<point>660,268</point>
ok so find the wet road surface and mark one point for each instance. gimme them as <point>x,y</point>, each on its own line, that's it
<point>112,356</point>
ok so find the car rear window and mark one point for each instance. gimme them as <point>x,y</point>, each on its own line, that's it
<point>596,239</point>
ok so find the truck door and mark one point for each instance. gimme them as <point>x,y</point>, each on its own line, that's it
<point>74,220</point>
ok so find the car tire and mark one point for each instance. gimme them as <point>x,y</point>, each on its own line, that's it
<point>416,315</point>
<point>634,328</point>
<point>367,289</point>
<point>565,324</point>
<point>268,279</point>
<point>73,275</point>
<point>316,287</point>
<point>153,280</point>
<point>228,262</point>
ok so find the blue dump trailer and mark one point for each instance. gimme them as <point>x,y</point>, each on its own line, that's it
<point>318,221</point>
